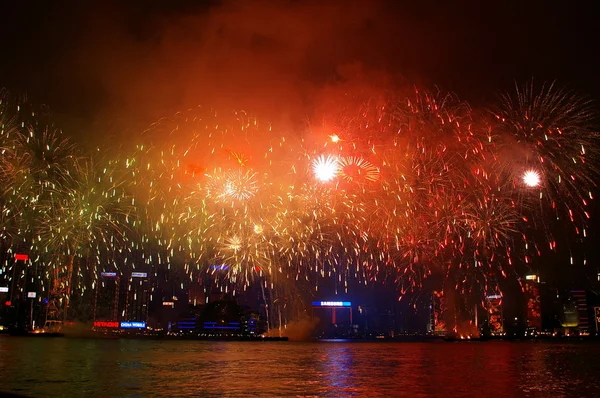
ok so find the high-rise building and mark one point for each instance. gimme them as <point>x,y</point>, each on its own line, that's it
<point>439,311</point>
<point>20,289</point>
<point>18,276</point>
<point>580,297</point>
<point>494,311</point>
<point>138,297</point>
<point>106,302</point>
<point>532,300</point>
<point>335,318</point>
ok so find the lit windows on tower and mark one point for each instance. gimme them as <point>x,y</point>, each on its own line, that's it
<point>138,297</point>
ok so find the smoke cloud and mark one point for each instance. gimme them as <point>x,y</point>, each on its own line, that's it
<point>114,66</point>
<point>284,60</point>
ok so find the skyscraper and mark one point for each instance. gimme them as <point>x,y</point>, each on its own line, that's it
<point>580,298</point>
<point>138,297</point>
<point>20,289</point>
<point>439,311</point>
<point>532,300</point>
<point>494,311</point>
<point>106,302</point>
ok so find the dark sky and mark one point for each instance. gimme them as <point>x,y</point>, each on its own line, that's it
<point>113,65</point>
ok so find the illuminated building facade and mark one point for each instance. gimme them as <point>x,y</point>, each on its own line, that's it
<point>20,294</point>
<point>106,302</point>
<point>138,298</point>
<point>494,312</point>
<point>221,318</point>
<point>335,318</point>
<point>439,310</point>
<point>531,288</point>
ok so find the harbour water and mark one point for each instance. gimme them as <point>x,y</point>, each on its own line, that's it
<point>69,367</point>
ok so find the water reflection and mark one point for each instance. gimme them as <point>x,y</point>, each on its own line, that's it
<point>72,367</point>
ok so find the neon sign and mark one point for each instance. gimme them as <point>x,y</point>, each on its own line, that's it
<point>139,275</point>
<point>103,324</point>
<point>31,294</point>
<point>3,289</point>
<point>222,267</point>
<point>133,325</point>
<point>21,257</point>
<point>494,296</point>
<point>332,304</point>
<point>108,274</point>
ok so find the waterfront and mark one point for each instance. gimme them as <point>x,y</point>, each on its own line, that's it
<point>99,368</point>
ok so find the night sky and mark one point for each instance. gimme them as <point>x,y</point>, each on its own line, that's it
<point>111,66</point>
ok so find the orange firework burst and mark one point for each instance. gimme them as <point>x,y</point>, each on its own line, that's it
<point>357,169</point>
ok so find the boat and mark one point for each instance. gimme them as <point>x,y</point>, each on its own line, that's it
<point>50,329</point>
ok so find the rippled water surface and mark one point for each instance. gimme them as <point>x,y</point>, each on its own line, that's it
<point>65,367</point>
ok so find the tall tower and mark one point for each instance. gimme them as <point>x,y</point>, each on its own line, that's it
<point>494,312</point>
<point>21,289</point>
<point>580,297</point>
<point>106,301</point>
<point>532,299</point>
<point>439,313</point>
<point>138,297</point>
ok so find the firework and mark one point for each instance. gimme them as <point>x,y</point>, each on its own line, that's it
<point>531,178</point>
<point>406,187</point>
<point>549,130</point>
<point>357,169</point>
<point>325,168</point>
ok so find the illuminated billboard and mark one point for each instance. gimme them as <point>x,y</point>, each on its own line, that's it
<point>439,311</point>
<point>532,297</point>
<point>221,267</point>
<point>139,275</point>
<point>494,311</point>
<point>21,257</point>
<point>31,294</point>
<point>3,289</point>
<point>133,325</point>
<point>108,274</point>
<point>102,324</point>
<point>332,304</point>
